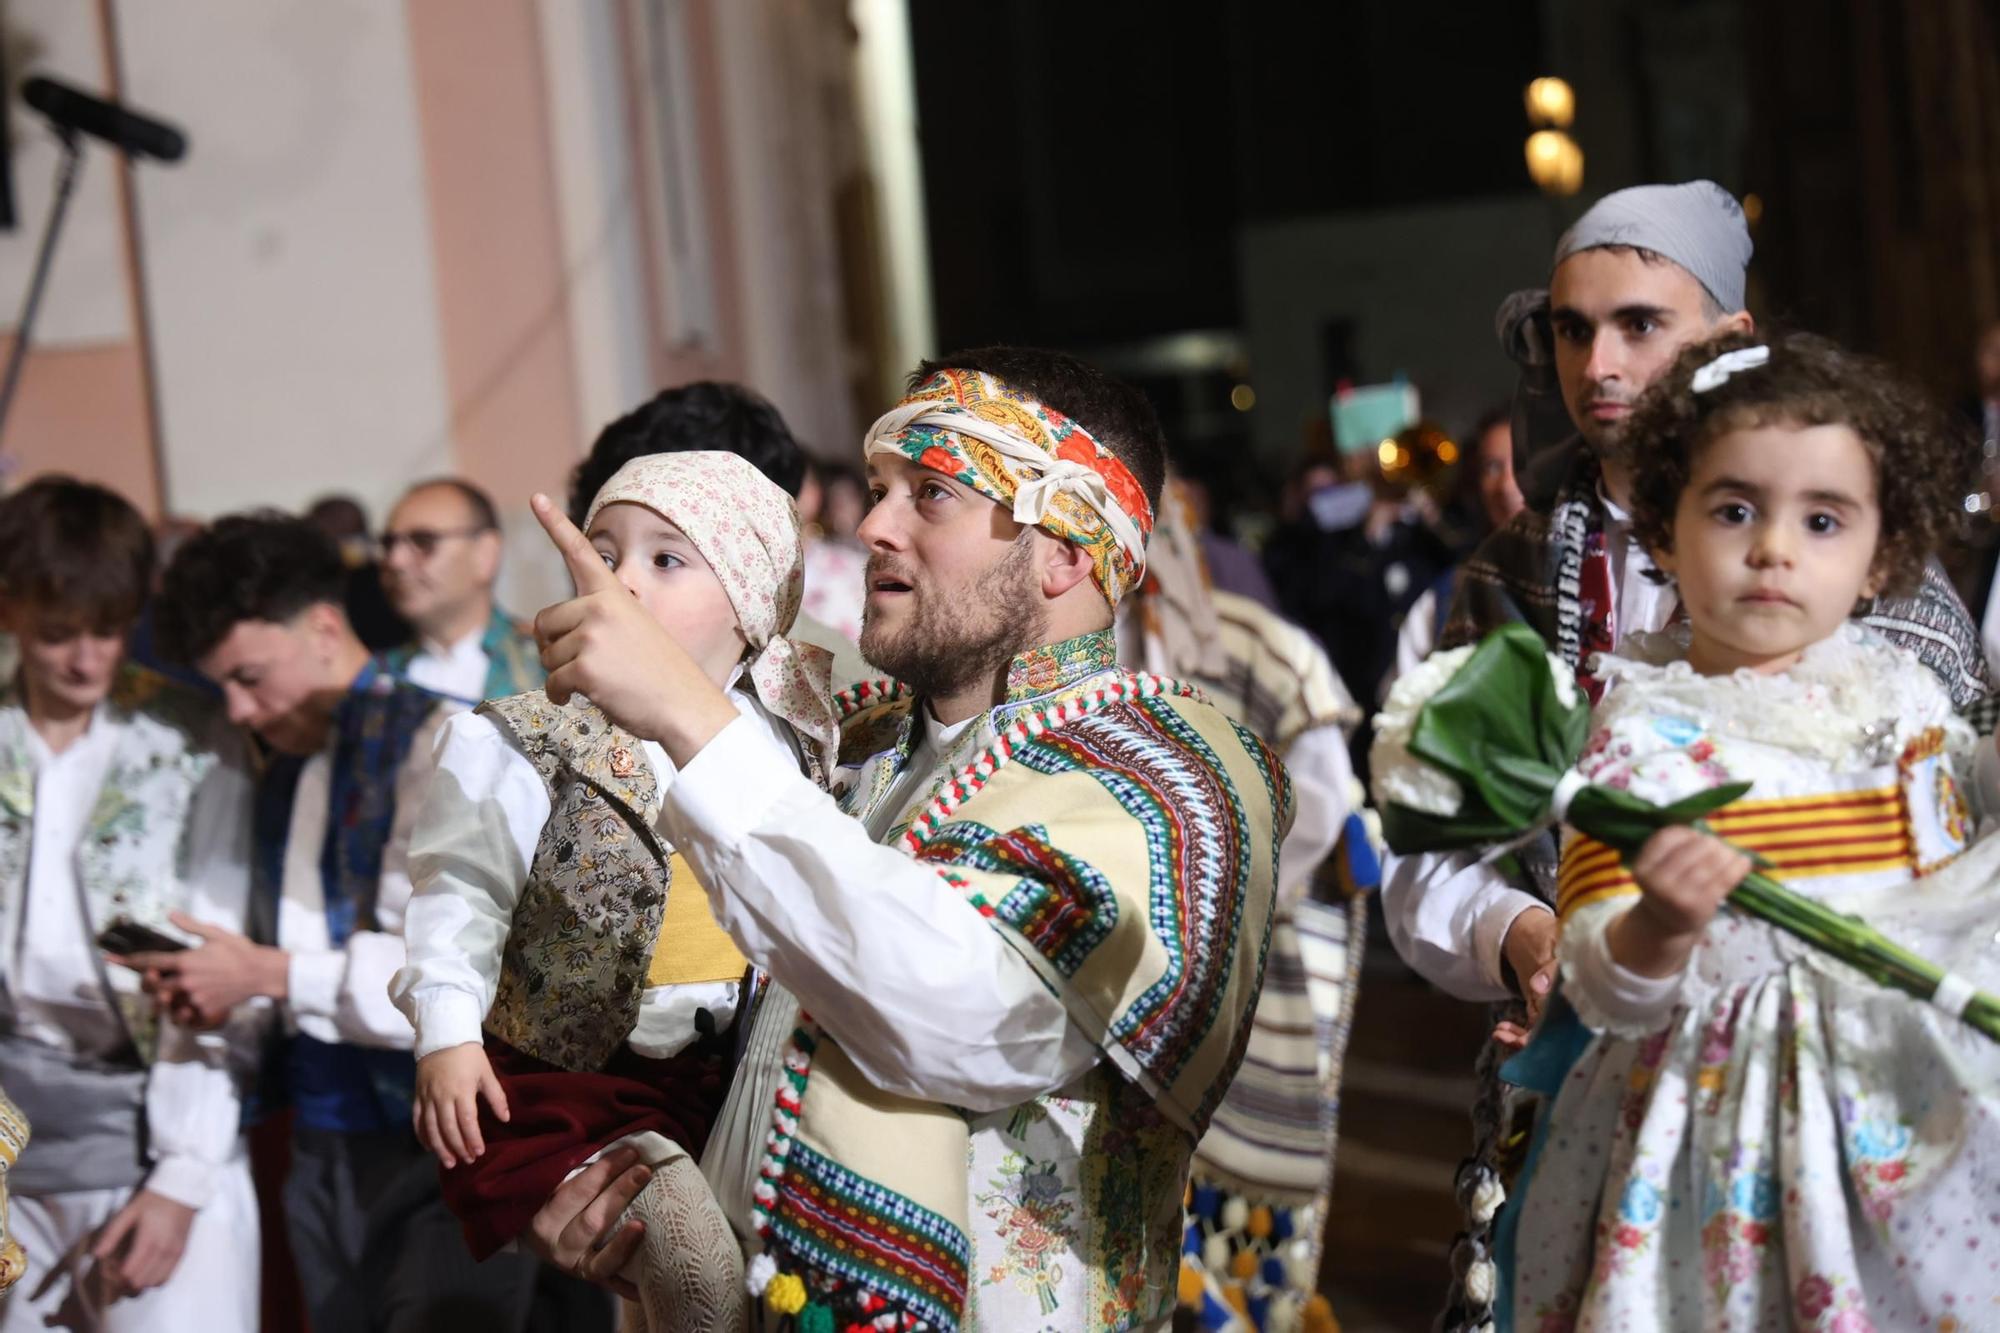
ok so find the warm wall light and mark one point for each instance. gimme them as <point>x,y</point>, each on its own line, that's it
<point>1551,102</point>
<point>1555,163</point>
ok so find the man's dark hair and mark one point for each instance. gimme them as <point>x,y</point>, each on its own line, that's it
<point>257,566</point>
<point>338,516</point>
<point>76,549</point>
<point>1117,415</point>
<point>484,516</point>
<point>707,414</point>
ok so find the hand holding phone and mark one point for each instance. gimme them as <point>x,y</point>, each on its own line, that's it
<point>124,937</point>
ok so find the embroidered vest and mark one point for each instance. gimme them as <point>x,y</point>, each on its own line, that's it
<point>334,1085</point>
<point>1123,835</point>
<point>586,939</point>
<point>133,858</point>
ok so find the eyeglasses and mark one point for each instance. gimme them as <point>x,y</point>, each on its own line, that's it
<point>423,541</point>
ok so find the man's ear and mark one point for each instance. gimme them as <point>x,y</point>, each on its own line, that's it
<point>326,624</point>
<point>1735,322</point>
<point>490,548</point>
<point>1064,564</point>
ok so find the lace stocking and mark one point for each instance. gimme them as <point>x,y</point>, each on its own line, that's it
<point>689,1268</point>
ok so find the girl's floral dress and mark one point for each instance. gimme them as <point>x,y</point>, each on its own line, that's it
<point>1772,1141</point>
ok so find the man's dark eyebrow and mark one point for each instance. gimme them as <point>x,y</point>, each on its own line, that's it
<point>1623,312</point>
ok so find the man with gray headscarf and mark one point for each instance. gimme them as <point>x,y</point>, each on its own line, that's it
<point>1644,273</point>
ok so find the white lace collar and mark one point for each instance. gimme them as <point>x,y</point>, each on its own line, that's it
<point>1852,698</point>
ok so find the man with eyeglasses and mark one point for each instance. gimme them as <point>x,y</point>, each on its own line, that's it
<point>440,558</point>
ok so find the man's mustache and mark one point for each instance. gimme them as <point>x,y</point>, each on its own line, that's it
<point>880,571</point>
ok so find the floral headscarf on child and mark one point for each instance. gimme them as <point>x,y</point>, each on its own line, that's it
<point>747,529</point>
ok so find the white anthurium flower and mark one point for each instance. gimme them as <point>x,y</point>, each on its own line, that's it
<point>1401,777</point>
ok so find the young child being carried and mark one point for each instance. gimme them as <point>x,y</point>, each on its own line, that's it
<point>547,904</point>
<point>1758,1137</point>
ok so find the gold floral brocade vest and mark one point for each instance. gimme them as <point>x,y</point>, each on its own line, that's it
<point>587,936</point>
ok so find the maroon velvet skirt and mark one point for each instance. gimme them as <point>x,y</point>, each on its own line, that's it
<point>559,1118</point>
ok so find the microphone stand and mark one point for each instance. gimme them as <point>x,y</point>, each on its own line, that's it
<point>66,172</point>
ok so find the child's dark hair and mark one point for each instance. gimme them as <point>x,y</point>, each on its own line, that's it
<point>708,414</point>
<point>257,566</point>
<point>1923,460</point>
<point>77,550</point>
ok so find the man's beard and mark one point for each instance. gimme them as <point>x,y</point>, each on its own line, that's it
<point>954,641</point>
<point>1609,440</point>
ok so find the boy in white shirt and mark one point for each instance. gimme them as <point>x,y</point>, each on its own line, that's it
<point>255,603</point>
<point>122,799</point>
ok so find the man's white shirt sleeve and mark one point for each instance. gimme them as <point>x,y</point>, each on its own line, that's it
<point>1321,774</point>
<point>1448,916</point>
<point>193,1101</point>
<point>927,998</point>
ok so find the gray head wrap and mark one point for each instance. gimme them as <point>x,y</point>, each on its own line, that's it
<point>1699,225</point>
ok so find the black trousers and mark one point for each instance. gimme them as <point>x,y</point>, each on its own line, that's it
<point>378,1251</point>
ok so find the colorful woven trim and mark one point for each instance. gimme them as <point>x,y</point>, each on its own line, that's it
<point>1028,456</point>
<point>841,1251</point>
<point>866,694</point>
<point>1840,833</point>
<point>1054,665</point>
<point>857,1232</point>
<point>1023,730</point>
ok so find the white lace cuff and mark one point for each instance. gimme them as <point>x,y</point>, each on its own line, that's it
<point>1606,995</point>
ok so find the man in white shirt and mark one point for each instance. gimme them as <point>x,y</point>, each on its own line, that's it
<point>1619,313</point>
<point>1028,933</point>
<point>440,559</point>
<point>123,799</point>
<point>255,604</point>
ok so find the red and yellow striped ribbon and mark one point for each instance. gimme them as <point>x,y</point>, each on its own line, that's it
<point>1840,833</point>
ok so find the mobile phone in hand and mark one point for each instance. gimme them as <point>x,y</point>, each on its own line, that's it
<point>129,937</point>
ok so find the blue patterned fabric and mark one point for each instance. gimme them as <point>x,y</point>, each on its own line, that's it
<point>373,728</point>
<point>339,1087</point>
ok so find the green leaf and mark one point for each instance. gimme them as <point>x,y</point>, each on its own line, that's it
<point>1499,729</point>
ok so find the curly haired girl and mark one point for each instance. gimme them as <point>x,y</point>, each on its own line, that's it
<point>1756,1136</point>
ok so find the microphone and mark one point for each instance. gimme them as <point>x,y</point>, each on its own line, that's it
<point>74,109</point>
